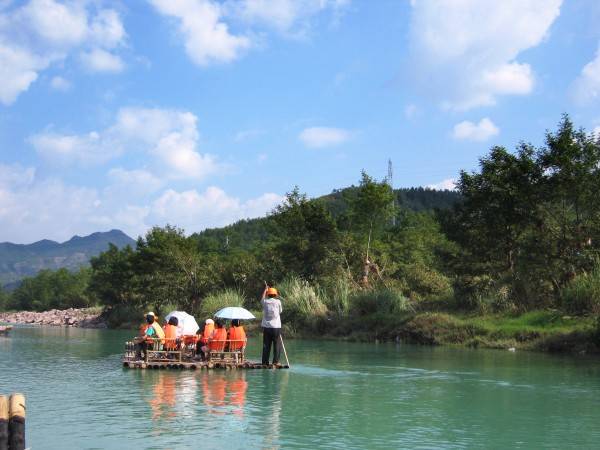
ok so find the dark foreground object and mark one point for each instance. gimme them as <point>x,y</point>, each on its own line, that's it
<point>198,365</point>
<point>12,422</point>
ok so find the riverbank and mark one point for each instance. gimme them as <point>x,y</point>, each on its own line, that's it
<point>542,330</point>
<point>72,317</point>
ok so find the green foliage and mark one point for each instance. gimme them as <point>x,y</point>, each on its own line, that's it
<point>4,300</point>
<point>307,235</point>
<point>372,208</point>
<point>530,219</point>
<point>53,290</point>
<point>113,276</point>
<point>218,300</point>
<point>380,301</point>
<point>582,294</point>
<point>303,304</point>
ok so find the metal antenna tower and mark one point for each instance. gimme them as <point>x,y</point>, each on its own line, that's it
<point>390,180</point>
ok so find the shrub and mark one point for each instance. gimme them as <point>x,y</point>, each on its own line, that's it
<point>425,282</point>
<point>380,300</point>
<point>582,294</point>
<point>339,289</point>
<point>218,300</point>
<point>303,304</point>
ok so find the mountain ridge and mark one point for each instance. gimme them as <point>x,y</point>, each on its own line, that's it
<point>18,261</point>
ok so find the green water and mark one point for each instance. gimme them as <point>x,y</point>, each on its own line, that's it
<point>337,395</point>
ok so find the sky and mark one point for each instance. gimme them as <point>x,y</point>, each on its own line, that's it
<point>198,113</point>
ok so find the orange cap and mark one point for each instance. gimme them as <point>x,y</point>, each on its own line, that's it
<point>272,291</point>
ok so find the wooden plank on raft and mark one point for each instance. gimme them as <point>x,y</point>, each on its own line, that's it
<point>3,422</point>
<point>195,365</point>
<point>16,423</point>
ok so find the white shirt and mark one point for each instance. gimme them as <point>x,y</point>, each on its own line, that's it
<point>271,310</point>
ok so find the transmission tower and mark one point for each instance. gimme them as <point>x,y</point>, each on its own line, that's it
<point>390,180</point>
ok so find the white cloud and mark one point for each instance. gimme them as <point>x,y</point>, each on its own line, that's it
<point>42,33</point>
<point>136,181</point>
<point>106,29</point>
<point>466,50</point>
<point>38,209</point>
<point>15,175</point>
<point>169,137</point>
<point>596,131</point>
<point>481,131</point>
<point>60,84</point>
<point>86,149</point>
<point>282,15</point>
<point>33,208</point>
<point>448,184</point>
<point>586,88</point>
<point>205,25</point>
<point>18,69</point>
<point>207,37</point>
<point>194,211</point>
<point>55,23</point>
<point>319,137</point>
<point>98,60</point>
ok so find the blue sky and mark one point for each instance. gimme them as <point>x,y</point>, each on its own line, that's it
<point>201,112</point>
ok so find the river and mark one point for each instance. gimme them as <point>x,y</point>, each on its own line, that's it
<point>336,395</point>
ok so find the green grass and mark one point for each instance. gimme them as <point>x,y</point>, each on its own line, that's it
<point>218,300</point>
<point>542,322</point>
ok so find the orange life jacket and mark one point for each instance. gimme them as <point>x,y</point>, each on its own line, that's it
<point>218,340</point>
<point>237,338</point>
<point>207,333</point>
<point>170,337</point>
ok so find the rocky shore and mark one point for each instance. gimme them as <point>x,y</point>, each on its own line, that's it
<point>81,318</point>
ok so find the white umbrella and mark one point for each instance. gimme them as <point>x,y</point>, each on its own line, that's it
<point>234,312</point>
<point>186,323</point>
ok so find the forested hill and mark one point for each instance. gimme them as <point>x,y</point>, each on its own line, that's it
<point>246,233</point>
<point>21,260</point>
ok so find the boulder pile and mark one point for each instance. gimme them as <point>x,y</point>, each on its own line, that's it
<point>72,317</point>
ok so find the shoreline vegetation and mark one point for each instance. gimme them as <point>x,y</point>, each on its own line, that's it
<point>513,263</point>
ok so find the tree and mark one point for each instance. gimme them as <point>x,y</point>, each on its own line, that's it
<point>307,235</point>
<point>113,278</point>
<point>373,205</point>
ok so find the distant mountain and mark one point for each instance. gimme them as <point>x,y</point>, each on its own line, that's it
<point>22,260</point>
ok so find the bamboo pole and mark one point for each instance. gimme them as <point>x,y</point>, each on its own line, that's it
<point>17,422</point>
<point>284,352</point>
<point>3,422</point>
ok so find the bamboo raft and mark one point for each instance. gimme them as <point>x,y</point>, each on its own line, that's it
<point>168,356</point>
<point>198,365</point>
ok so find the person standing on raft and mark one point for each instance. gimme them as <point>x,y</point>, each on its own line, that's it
<point>271,324</point>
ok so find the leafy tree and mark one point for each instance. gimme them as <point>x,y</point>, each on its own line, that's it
<point>113,277</point>
<point>48,290</point>
<point>372,207</point>
<point>307,235</point>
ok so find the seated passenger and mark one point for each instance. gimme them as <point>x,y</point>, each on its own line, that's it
<point>147,336</point>
<point>205,334</point>
<point>237,336</point>
<point>171,335</point>
<point>158,331</point>
<point>217,341</point>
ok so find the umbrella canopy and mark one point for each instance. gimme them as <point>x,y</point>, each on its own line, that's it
<point>234,312</point>
<point>187,324</point>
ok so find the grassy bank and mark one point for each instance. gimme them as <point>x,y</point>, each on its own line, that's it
<point>384,314</point>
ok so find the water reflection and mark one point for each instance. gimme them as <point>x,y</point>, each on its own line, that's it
<point>177,395</point>
<point>163,401</point>
<point>222,394</point>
